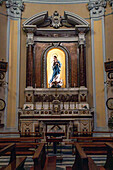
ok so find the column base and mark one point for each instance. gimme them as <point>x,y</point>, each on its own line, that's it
<point>8,132</point>
<point>101,129</point>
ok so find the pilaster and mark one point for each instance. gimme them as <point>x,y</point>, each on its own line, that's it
<point>97,10</point>
<point>14,10</point>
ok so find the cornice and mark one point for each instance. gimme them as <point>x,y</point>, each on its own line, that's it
<point>56,1</point>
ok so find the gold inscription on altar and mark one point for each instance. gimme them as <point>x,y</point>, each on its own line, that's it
<point>60,55</point>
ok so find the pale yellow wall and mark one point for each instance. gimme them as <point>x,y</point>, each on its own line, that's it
<point>31,9</point>
<point>99,74</point>
<point>109,33</point>
<point>11,107</point>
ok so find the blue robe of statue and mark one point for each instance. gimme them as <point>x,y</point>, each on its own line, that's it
<point>56,70</point>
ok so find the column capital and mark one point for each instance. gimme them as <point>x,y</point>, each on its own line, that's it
<point>97,7</point>
<point>14,8</point>
<point>1,2</point>
<point>30,38</point>
<point>82,30</point>
<point>81,38</point>
<point>111,3</point>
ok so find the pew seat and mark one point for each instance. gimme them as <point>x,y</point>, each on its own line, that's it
<point>51,163</point>
<point>16,164</point>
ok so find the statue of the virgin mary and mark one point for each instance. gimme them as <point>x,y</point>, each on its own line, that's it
<point>55,80</point>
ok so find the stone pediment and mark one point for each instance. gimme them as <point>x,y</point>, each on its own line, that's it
<point>41,20</point>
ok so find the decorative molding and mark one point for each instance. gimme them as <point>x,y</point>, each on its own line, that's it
<point>96,7</point>
<point>81,39</point>
<point>30,38</point>
<point>111,3</point>
<point>55,40</point>
<point>104,60</point>
<point>56,20</point>
<point>14,8</point>
<point>56,1</point>
<point>82,30</point>
<point>40,20</point>
<point>1,2</point>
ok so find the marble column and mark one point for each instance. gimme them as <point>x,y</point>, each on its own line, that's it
<point>82,66</point>
<point>82,60</point>
<point>29,66</point>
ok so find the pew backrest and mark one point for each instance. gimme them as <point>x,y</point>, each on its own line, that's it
<point>14,163</point>
<point>9,148</point>
<point>109,161</point>
<point>39,157</point>
<point>81,161</point>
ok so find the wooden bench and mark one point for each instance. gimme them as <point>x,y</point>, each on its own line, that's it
<point>96,148</point>
<point>90,148</point>
<point>22,148</point>
<point>92,139</point>
<point>20,139</point>
<point>109,161</point>
<point>14,163</point>
<point>82,162</point>
<point>41,161</point>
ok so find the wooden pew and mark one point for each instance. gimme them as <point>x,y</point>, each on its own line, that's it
<point>41,161</point>
<point>20,139</point>
<point>109,161</point>
<point>90,148</point>
<point>14,163</point>
<point>22,148</point>
<point>82,162</point>
<point>92,139</point>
